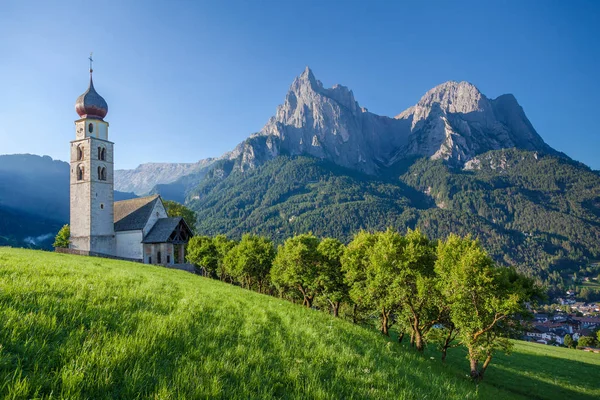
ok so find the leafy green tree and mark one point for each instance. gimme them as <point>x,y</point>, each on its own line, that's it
<point>483,300</point>
<point>598,335</point>
<point>250,261</point>
<point>202,252</point>
<point>568,341</point>
<point>296,267</point>
<point>331,276</point>
<point>223,245</point>
<point>586,341</point>
<point>62,237</point>
<point>414,285</point>
<point>175,209</point>
<point>370,263</point>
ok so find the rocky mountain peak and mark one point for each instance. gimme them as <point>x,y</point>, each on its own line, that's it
<point>454,121</point>
<point>449,97</point>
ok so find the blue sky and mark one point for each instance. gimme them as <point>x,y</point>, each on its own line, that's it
<point>185,80</point>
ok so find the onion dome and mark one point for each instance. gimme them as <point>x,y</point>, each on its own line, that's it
<point>90,104</point>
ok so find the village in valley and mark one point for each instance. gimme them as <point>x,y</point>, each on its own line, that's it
<point>567,321</point>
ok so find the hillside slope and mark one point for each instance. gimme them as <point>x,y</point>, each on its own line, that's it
<point>78,327</point>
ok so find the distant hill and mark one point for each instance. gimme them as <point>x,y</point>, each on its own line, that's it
<point>85,327</point>
<point>34,199</point>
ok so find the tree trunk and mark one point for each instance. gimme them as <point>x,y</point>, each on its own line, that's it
<point>412,339</point>
<point>418,336</point>
<point>474,368</point>
<point>354,312</point>
<point>336,308</point>
<point>476,374</point>
<point>384,322</point>
<point>447,344</point>
<point>309,300</point>
<point>400,337</point>
<point>487,361</point>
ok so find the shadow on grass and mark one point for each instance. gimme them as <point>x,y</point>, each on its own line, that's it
<point>533,376</point>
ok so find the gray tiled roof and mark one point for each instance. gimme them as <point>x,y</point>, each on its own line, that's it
<point>162,230</point>
<point>131,215</point>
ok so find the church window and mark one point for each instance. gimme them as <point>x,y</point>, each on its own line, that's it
<point>168,259</point>
<point>91,128</point>
<point>101,173</point>
<point>80,172</point>
<point>101,153</point>
<point>79,153</point>
<point>150,260</point>
<point>102,206</point>
<point>158,257</point>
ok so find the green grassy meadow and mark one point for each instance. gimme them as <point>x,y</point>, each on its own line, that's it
<point>80,327</point>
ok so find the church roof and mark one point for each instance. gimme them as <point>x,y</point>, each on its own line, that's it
<point>164,228</point>
<point>132,215</point>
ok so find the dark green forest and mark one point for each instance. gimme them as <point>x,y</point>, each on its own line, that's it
<point>538,213</point>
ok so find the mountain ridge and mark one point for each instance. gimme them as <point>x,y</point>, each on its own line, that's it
<point>453,121</point>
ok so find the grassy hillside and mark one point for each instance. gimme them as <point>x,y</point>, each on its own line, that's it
<point>78,327</point>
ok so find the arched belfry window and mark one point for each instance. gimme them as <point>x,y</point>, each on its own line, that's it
<point>79,153</point>
<point>102,153</point>
<point>102,173</point>
<point>80,172</point>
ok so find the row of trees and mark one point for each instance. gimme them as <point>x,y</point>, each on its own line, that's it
<point>447,292</point>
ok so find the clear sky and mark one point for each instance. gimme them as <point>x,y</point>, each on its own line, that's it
<point>186,80</point>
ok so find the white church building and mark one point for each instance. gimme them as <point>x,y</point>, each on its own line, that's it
<point>138,229</point>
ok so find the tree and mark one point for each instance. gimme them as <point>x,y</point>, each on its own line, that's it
<point>414,285</point>
<point>202,252</point>
<point>445,336</point>
<point>568,341</point>
<point>586,341</point>
<point>62,237</point>
<point>250,261</point>
<point>598,335</point>
<point>223,246</point>
<point>175,209</point>
<point>331,276</point>
<point>370,263</point>
<point>483,300</point>
<point>296,267</point>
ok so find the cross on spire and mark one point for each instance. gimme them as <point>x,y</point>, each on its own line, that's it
<point>91,61</point>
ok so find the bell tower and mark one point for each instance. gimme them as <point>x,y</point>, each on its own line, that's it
<point>92,177</point>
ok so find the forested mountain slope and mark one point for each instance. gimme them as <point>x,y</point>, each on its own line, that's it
<point>539,213</point>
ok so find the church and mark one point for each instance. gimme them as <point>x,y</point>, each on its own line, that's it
<point>138,229</point>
